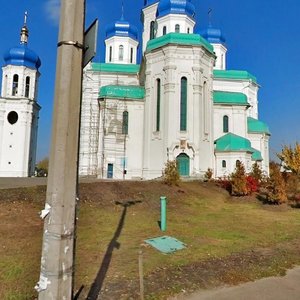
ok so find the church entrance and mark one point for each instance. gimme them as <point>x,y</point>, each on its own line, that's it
<point>183,164</point>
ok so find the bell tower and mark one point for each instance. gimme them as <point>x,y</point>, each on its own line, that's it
<point>19,110</point>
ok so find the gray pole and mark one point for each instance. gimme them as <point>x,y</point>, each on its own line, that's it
<point>57,261</point>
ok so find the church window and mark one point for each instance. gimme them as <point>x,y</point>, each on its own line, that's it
<point>238,163</point>
<point>183,104</point>
<point>27,86</point>
<point>15,85</point>
<point>158,89</point>
<point>223,163</point>
<point>121,52</point>
<point>164,30</point>
<point>177,28</point>
<point>225,124</point>
<point>125,123</point>
<point>188,30</point>
<point>12,117</point>
<point>152,30</point>
<point>131,55</point>
<point>110,53</point>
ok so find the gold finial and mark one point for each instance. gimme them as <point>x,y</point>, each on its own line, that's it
<point>24,30</point>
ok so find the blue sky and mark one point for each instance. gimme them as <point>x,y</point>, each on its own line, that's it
<point>262,38</point>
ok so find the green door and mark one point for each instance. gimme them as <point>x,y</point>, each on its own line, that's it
<point>183,164</point>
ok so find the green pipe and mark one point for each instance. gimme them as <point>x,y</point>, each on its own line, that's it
<point>163,213</point>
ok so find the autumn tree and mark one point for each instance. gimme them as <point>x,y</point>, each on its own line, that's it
<point>42,166</point>
<point>276,185</point>
<point>256,172</point>
<point>290,156</point>
<point>170,173</point>
<point>239,181</point>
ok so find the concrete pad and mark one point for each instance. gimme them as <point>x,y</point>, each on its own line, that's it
<point>272,288</point>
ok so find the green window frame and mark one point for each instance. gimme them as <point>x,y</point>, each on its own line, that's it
<point>158,98</point>
<point>225,124</point>
<point>183,104</point>
<point>125,122</point>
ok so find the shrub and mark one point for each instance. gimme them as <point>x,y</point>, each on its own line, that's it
<point>225,183</point>
<point>276,186</point>
<point>256,172</point>
<point>170,173</point>
<point>208,174</point>
<point>252,184</point>
<point>239,181</point>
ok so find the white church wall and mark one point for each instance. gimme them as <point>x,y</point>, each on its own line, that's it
<point>17,139</point>
<point>91,125</point>
<point>237,120</point>
<point>249,88</point>
<point>231,158</point>
<point>186,24</point>
<point>170,64</point>
<point>122,151</point>
<point>149,15</point>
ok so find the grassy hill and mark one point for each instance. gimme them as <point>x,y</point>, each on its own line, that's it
<point>229,240</point>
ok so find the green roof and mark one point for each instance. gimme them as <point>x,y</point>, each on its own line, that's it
<point>256,155</point>
<point>181,39</point>
<point>122,92</point>
<point>234,75</point>
<point>115,68</point>
<point>231,142</point>
<point>256,126</point>
<point>228,98</point>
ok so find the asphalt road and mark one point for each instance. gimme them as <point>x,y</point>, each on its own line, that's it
<point>272,288</point>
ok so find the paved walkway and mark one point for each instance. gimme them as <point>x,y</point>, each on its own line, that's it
<point>273,288</point>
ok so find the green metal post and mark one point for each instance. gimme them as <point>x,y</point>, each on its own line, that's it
<point>163,213</point>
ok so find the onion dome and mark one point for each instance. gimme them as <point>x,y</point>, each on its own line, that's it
<point>149,2</point>
<point>22,56</point>
<point>181,7</point>
<point>122,28</point>
<point>213,35</point>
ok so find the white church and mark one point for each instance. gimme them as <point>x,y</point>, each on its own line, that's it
<point>179,102</point>
<point>19,109</point>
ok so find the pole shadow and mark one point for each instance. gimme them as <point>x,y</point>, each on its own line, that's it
<point>98,282</point>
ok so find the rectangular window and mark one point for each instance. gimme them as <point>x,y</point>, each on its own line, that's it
<point>158,104</point>
<point>183,104</point>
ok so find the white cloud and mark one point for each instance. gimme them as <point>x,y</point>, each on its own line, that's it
<point>52,9</point>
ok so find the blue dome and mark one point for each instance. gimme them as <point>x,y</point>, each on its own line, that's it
<point>22,56</point>
<point>181,7</point>
<point>213,35</point>
<point>122,28</point>
<point>149,2</point>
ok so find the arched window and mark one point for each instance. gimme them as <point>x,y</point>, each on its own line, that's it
<point>27,86</point>
<point>15,85</point>
<point>225,124</point>
<point>110,53</point>
<point>188,30</point>
<point>164,30</point>
<point>158,89</point>
<point>121,52</point>
<point>177,28</point>
<point>238,163</point>
<point>125,122</point>
<point>222,61</point>
<point>131,55</point>
<point>223,163</point>
<point>183,104</point>
<point>152,30</point>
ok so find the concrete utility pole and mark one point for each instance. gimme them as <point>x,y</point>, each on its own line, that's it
<point>57,262</point>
